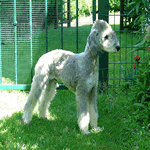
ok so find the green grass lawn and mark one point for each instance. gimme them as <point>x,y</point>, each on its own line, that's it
<point>69,43</point>
<point>61,132</point>
<point>120,128</point>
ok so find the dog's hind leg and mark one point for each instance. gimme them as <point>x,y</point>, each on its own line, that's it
<point>47,96</point>
<point>82,111</point>
<point>34,95</point>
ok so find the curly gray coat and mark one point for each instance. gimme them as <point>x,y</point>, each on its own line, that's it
<point>78,72</point>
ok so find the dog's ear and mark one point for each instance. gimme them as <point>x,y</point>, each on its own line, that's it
<point>94,43</point>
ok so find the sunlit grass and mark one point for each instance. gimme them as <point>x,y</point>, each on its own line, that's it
<point>120,131</point>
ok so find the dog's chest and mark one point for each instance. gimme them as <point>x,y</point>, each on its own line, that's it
<point>92,80</point>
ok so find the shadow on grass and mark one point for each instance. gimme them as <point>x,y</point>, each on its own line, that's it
<point>62,131</point>
<point>39,133</point>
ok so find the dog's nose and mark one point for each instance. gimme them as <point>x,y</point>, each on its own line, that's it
<point>118,48</point>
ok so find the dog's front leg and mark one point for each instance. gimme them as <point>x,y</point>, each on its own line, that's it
<point>93,108</point>
<point>83,112</point>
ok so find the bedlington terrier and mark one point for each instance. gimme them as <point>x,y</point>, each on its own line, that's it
<point>78,72</point>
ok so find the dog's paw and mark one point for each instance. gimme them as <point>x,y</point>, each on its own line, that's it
<point>44,115</point>
<point>85,132</point>
<point>96,130</point>
<point>26,119</point>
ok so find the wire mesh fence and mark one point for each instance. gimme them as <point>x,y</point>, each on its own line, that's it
<point>31,15</point>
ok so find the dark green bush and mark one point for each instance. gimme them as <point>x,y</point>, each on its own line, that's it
<point>114,5</point>
<point>139,91</point>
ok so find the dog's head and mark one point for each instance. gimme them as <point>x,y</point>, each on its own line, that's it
<point>103,38</point>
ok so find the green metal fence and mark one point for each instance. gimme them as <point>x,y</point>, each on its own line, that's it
<point>29,29</point>
<point>20,28</point>
<point>0,50</point>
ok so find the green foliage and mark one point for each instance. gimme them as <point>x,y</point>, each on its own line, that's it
<point>140,7</point>
<point>139,93</point>
<point>142,79</point>
<point>114,5</point>
<point>128,74</point>
<point>142,88</point>
<point>73,9</point>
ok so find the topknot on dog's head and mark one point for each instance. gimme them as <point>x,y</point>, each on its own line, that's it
<point>101,25</point>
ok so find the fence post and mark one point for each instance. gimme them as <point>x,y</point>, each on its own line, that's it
<point>30,15</point>
<point>77,9</point>
<point>68,13</point>
<point>15,31</point>
<point>121,12</point>
<point>103,11</point>
<point>62,46</point>
<point>56,14</point>
<point>46,25</point>
<point>94,10</point>
<point>0,49</point>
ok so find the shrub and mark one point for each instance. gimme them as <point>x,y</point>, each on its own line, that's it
<point>142,9</point>
<point>114,5</point>
<point>139,93</point>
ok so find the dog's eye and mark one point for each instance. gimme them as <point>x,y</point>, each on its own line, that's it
<point>106,37</point>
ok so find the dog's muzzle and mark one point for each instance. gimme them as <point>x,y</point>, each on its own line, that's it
<point>118,48</point>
